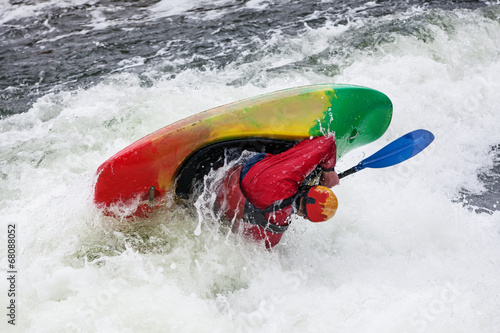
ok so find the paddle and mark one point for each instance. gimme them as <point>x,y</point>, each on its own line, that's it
<point>395,152</point>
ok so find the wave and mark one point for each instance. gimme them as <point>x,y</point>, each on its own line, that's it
<point>401,254</point>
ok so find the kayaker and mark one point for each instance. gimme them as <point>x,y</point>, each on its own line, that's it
<point>260,196</point>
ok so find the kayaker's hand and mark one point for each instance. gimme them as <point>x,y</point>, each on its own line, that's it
<point>329,179</point>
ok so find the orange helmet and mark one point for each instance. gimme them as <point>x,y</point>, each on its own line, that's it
<point>320,204</point>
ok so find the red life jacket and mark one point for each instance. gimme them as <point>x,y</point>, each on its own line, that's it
<point>253,222</point>
<point>277,177</point>
<point>271,185</point>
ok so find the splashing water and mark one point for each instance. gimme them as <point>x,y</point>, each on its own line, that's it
<point>409,249</point>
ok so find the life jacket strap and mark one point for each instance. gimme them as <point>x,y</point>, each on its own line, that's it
<point>255,216</point>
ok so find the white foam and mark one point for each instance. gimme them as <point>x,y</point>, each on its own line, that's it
<point>399,255</point>
<point>166,8</point>
<point>12,11</point>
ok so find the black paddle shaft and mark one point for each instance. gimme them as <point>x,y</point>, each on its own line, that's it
<point>347,172</point>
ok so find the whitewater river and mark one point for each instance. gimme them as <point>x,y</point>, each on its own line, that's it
<point>413,248</point>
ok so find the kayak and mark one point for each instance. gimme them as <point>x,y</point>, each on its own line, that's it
<point>173,158</point>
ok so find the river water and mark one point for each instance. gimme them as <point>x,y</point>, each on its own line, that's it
<point>413,248</point>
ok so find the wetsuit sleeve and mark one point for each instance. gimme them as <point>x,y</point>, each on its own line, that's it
<point>330,159</point>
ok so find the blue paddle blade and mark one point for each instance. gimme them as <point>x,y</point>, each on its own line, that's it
<point>398,151</point>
